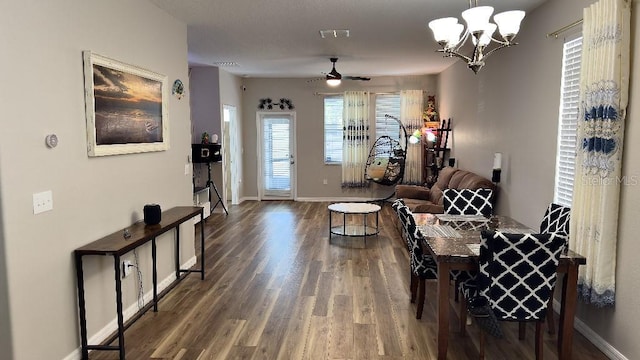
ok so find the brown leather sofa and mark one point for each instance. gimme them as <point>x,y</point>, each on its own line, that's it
<point>421,199</point>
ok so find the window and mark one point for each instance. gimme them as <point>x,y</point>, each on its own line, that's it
<point>568,122</point>
<point>333,129</point>
<point>387,104</point>
<point>333,105</point>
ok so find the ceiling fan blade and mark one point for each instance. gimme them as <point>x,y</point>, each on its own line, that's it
<point>361,78</point>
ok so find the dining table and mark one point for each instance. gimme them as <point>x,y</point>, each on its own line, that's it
<point>454,242</point>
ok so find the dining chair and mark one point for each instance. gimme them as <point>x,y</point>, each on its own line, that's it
<point>556,219</point>
<point>468,202</point>
<point>423,266</point>
<point>396,206</point>
<point>516,277</point>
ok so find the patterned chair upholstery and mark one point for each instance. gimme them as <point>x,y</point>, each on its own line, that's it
<point>556,220</point>
<point>468,202</point>
<point>396,207</point>
<point>517,275</point>
<point>423,266</point>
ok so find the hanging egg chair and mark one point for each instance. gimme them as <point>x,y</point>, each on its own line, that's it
<point>386,161</point>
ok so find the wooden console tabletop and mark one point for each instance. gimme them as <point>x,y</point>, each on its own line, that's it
<point>116,245</point>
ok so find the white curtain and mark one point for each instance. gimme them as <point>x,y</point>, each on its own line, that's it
<point>355,143</point>
<point>411,102</point>
<point>604,83</point>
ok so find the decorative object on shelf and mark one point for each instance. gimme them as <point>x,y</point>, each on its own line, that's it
<point>178,89</point>
<point>205,138</point>
<point>268,104</point>
<point>136,97</point>
<point>430,115</point>
<point>452,36</point>
<point>152,214</point>
<point>214,138</point>
<point>497,167</point>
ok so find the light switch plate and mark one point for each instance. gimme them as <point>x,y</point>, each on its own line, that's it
<point>42,201</point>
<point>187,169</point>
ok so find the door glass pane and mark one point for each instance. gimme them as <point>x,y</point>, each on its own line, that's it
<point>277,162</point>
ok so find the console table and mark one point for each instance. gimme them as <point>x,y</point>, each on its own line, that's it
<point>117,245</point>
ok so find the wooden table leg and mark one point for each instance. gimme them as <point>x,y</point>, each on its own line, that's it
<point>568,312</point>
<point>443,309</point>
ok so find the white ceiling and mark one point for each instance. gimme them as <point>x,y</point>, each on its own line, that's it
<point>280,38</point>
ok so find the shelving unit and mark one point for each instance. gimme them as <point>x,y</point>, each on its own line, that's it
<point>201,198</point>
<point>436,153</point>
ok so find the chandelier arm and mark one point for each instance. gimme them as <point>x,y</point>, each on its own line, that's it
<point>461,43</point>
<point>504,45</point>
<point>458,55</point>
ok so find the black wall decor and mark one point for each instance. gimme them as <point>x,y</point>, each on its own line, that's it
<point>268,104</point>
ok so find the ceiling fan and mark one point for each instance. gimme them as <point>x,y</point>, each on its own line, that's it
<point>334,77</point>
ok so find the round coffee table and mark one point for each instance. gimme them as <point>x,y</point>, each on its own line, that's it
<point>360,230</point>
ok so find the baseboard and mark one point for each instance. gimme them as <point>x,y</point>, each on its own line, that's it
<point>318,199</point>
<point>336,199</point>
<point>112,326</point>
<point>602,345</point>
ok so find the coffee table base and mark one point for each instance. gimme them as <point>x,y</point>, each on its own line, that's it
<point>355,230</point>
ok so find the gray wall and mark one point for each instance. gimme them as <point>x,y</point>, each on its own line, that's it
<point>206,116</point>
<point>311,169</point>
<point>92,197</point>
<point>511,106</point>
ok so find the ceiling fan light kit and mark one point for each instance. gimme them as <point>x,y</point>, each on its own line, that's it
<point>334,78</point>
<point>451,35</point>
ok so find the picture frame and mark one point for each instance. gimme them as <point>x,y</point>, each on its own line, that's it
<point>126,107</point>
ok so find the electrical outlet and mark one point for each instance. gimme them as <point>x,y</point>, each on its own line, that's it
<point>127,267</point>
<point>324,182</point>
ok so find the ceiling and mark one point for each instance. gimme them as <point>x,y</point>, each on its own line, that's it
<point>280,38</point>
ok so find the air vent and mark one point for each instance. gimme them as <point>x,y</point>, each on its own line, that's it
<point>328,34</point>
<point>225,63</point>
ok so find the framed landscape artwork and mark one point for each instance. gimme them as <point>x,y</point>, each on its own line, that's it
<point>126,107</point>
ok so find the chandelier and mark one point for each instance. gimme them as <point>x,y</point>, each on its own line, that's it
<point>451,35</point>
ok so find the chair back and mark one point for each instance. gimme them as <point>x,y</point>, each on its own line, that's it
<point>556,220</point>
<point>518,272</point>
<point>468,202</point>
<point>421,265</point>
<point>397,203</point>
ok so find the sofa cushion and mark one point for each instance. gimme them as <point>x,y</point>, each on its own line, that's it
<point>412,192</point>
<point>467,180</point>
<point>468,202</point>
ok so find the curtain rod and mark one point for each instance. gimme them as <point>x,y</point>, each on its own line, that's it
<point>563,29</point>
<point>371,92</point>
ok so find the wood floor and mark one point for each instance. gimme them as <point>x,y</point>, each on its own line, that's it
<point>276,289</point>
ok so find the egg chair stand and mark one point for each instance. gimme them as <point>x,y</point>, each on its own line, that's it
<point>386,161</point>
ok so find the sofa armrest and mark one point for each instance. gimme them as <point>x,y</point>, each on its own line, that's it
<point>412,192</point>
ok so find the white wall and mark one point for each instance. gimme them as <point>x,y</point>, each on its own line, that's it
<point>43,74</point>
<point>511,106</point>
<point>231,93</point>
<point>309,108</point>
